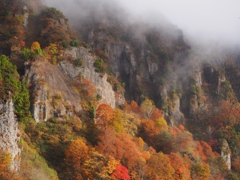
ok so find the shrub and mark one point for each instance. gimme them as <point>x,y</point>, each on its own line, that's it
<point>99,65</point>
<point>65,44</point>
<point>27,53</point>
<point>53,13</point>
<point>78,62</point>
<point>75,43</point>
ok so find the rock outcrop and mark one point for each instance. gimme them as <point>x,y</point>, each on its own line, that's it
<point>51,91</point>
<point>226,153</point>
<point>9,134</point>
<point>104,88</point>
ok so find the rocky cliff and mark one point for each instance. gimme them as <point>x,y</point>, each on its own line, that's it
<point>104,88</point>
<point>52,87</point>
<point>10,134</point>
<point>51,92</point>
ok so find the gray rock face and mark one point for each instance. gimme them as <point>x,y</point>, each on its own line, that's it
<point>9,134</point>
<point>226,153</point>
<point>176,114</point>
<point>197,75</point>
<point>25,17</point>
<point>221,79</point>
<point>198,105</point>
<point>51,92</point>
<point>103,87</point>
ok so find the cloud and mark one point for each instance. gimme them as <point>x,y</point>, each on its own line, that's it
<point>199,19</point>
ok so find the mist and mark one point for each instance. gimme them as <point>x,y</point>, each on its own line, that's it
<point>203,21</point>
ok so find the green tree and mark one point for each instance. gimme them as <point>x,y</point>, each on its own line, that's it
<point>13,88</point>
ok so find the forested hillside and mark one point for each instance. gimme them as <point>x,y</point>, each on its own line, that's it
<point>97,97</point>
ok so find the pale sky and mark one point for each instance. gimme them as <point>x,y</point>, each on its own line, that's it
<point>202,19</point>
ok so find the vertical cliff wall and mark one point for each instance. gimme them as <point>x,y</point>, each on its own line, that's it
<point>9,134</point>
<point>104,88</point>
<point>51,92</point>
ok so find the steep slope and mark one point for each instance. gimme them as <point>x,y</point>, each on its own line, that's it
<point>47,84</point>
<point>79,120</point>
<point>10,134</point>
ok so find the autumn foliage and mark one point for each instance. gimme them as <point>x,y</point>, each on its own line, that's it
<point>104,115</point>
<point>121,173</point>
<point>76,154</point>
<point>5,161</point>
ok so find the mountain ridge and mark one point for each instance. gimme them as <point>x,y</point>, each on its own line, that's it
<point>109,102</point>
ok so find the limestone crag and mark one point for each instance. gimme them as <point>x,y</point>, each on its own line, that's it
<point>25,17</point>
<point>226,153</point>
<point>175,114</point>
<point>51,92</point>
<point>103,87</point>
<point>198,101</point>
<point>10,134</point>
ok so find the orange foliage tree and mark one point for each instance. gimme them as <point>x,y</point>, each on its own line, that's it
<point>123,148</point>
<point>226,115</point>
<point>181,168</point>
<point>104,115</point>
<point>75,155</point>
<point>159,167</point>
<point>134,107</point>
<point>132,157</point>
<point>156,114</point>
<point>149,131</point>
<point>110,145</point>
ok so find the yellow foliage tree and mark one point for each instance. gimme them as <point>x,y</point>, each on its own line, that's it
<point>159,167</point>
<point>5,161</point>
<point>35,46</point>
<point>161,122</point>
<point>130,124</point>
<point>52,48</point>
<point>117,121</point>
<point>201,171</point>
<point>147,106</point>
<point>98,166</point>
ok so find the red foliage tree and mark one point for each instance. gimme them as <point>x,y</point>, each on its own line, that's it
<point>121,173</point>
